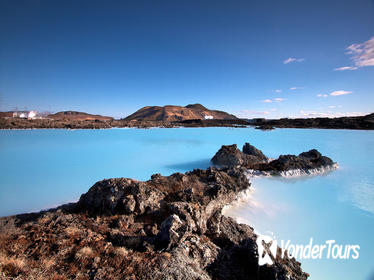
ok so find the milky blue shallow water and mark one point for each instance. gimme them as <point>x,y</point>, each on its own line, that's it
<point>44,168</point>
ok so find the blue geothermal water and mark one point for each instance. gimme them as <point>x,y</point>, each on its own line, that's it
<point>44,168</point>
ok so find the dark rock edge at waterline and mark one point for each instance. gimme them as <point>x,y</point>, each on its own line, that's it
<point>16,123</point>
<point>169,227</point>
<point>357,123</point>
<point>229,156</point>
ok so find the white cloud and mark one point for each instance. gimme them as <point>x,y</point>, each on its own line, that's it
<point>334,93</point>
<point>329,114</point>
<point>278,90</point>
<point>267,101</point>
<point>279,99</point>
<point>363,53</point>
<point>340,92</point>
<point>293,59</point>
<point>295,88</point>
<point>335,106</point>
<point>289,60</point>
<point>346,68</point>
<point>251,113</point>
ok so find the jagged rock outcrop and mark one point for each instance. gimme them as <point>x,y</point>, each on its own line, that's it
<point>250,150</point>
<point>306,160</point>
<point>122,195</point>
<point>165,228</point>
<point>186,211</point>
<point>230,156</point>
<point>253,159</point>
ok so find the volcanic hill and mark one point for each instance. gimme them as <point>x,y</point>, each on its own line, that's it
<point>81,116</point>
<point>178,113</point>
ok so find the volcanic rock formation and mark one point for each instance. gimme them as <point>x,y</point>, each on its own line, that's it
<point>166,228</point>
<point>252,158</point>
<point>178,113</point>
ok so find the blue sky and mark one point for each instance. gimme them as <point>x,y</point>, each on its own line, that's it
<point>251,58</point>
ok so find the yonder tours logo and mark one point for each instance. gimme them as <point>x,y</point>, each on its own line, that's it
<point>330,249</point>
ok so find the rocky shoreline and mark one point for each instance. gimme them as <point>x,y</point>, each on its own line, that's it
<point>257,164</point>
<point>170,227</point>
<point>361,123</point>
<point>17,123</point>
<point>358,122</point>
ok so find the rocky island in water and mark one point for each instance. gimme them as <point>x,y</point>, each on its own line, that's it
<point>170,227</point>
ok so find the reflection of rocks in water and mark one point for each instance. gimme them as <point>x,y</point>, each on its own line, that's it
<point>199,164</point>
<point>265,127</point>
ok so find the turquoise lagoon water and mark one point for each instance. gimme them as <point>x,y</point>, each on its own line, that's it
<point>44,168</point>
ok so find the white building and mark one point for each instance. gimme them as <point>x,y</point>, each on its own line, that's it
<point>32,115</point>
<point>25,114</point>
<point>208,117</point>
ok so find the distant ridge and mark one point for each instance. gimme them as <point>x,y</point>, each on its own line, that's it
<point>79,116</point>
<point>356,122</point>
<point>178,113</point>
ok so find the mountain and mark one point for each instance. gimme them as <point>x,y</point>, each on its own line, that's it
<point>78,116</point>
<point>178,113</point>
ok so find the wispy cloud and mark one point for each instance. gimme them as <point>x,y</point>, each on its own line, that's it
<point>278,90</point>
<point>295,88</point>
<point>335,106</point>
<point>293,59</point>
<point>362,54</point>
<point>340,92</point>
<point>267,100</point>
<point>329,114</point>
<point>251,113</point>
<point>279,99</point>
<point>346,68</point>
<point>334,93</point>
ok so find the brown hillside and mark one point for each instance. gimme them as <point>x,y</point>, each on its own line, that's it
<point>6,114</point>
<point>73,115</point>
<point>178,113</point>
